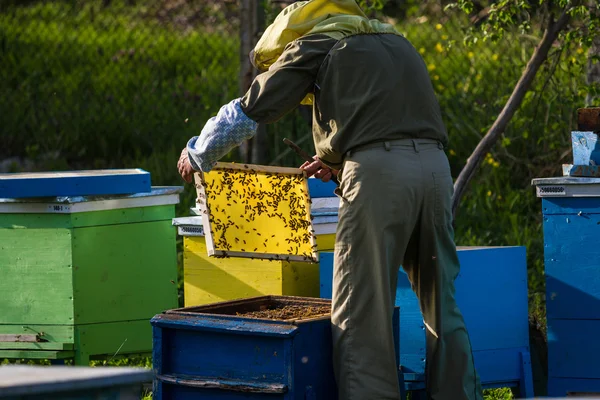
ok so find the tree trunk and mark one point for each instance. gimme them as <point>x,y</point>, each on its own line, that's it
<point>516,98</point>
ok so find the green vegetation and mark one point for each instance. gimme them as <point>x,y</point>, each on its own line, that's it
<point>88,86</point>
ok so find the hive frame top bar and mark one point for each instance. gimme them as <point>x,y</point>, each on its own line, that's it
<point>259,168</point>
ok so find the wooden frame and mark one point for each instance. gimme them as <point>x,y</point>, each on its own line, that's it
<point>205,208</point>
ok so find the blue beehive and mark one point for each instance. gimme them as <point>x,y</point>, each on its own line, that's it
<point>491,287</point>
<point>571,221</point>
<point>212,352</point>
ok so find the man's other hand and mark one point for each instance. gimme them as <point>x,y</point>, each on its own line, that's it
<point>319,170</point>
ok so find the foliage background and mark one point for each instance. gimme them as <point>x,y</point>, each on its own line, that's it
<point>124,83</point>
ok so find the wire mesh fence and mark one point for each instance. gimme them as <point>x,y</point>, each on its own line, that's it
<point>105,83</point>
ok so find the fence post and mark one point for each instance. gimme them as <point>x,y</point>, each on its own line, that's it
<point>252,22</point>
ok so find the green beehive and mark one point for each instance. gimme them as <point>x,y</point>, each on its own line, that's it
<point>80,277</point>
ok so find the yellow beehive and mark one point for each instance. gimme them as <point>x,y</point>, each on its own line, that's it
<point>209,279</point>
<point>274,270</point>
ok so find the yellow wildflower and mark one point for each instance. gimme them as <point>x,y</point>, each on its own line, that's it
<point>489,193</point>
<point>422,50</point>
<point>436,77</point>
<point>452,152</point>
<point>438,26</point>
<point>580,51</point>
<point>495,57</point>
<point>439,47</point>
<point>444,37</point>
<point>470,54</point>
<point>431,67</point>
<point>496,164</point>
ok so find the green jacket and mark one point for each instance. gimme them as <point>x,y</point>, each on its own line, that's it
<point>366,87</point>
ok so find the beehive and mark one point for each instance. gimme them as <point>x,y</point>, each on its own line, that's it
<point>81,276</point>
<point>571,220</point>
<point>209,279</point>
<point>213,352</point>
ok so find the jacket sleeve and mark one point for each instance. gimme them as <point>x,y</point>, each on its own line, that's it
<point>272,94</point>
<point>279,90</point>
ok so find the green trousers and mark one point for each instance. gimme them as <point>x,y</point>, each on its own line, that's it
<point>395,209</point>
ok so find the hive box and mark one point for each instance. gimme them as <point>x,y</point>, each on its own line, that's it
<point>73,383</point>
<point>571,221</point>
<point>209,279</point>
<point>491,291</point>
<point>212,352</point>
<point>82,276</point>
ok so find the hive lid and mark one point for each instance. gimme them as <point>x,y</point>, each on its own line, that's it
<point>74,183</point>
<point>24,380</point>
<point>159,195</point>
<point>567,186</point>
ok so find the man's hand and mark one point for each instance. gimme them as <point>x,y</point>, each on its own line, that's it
<point>319,170</point>
<point>185,168</point>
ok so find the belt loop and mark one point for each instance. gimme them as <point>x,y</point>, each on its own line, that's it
<point>440,145</point>
<point>387,146</point>
<point>415,145</point>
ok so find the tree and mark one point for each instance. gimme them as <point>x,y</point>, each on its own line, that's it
<point>593,73</point>
<point>562,22</point>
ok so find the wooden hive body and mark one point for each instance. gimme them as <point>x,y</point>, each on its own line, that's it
<point>82,276</point>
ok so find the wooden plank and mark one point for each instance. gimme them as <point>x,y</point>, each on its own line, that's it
<point>300,279</point>
<point>36,282</point>
<point>75,183</point>
<point>571,266</point>
<point>123,216</point>
<point>124,272</point>
<point>588,119</point>
<point>259,168</point>
<point>114,338</point>
<point>573,348</point>
<point>326,242</point>
<point>36,346</point>
<point>570,206</point>
<point>573,387</point>
<point>25,337</point>
<point>51,333</point>
<point>28,382</point>
<point>35,221</point>
<point>256,212</point>
<point>36,354</point>
<point>209,280</point>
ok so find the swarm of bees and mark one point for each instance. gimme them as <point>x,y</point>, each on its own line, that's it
<point>258,212</point>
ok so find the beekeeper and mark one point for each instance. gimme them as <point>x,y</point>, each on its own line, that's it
<point>377,125</point>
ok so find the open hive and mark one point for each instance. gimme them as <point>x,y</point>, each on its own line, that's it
<point>257,211</point>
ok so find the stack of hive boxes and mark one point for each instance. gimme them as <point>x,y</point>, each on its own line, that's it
<point>209,279</point>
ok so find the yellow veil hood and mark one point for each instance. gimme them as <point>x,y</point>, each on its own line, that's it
<point>335,18</point>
